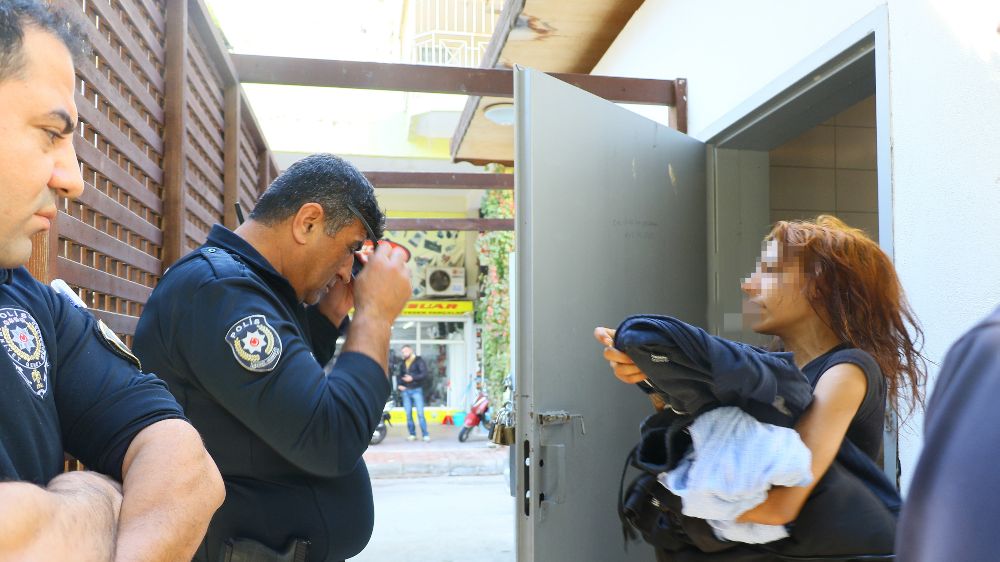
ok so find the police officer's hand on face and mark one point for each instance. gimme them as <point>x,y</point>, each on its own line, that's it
<point>337,302</point>
<point>382,288</point>
<point>621,364</point>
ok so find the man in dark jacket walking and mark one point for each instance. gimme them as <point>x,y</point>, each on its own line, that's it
<point>412,372</point>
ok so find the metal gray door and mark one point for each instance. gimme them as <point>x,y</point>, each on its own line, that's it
<point>611,221</point>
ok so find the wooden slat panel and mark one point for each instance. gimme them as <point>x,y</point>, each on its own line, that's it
<point>194,233</point>
<point>109,55</point>
<point>212,42</point>
<point>113,210</point>
<point>135,51</point>
<point>88,236</point>
<point>211,193</point>
<point>106,166</point>
<point>199,91</point>
<point>116,137</point>
<point>249,176</point>
<point>207,74</point>
<point>155,10</point>
<point>96,280</point>
<point>198,210</point>
<point>212,154</point>
<point>119,323</point>
<point>103,86</point>
<point>252,123</point>
<point>214,133</point>
<point>215,178</point>
<point>142,27</point>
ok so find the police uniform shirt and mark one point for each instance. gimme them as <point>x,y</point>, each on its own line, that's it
<point>952,509</point>
<point>245,358</point>
<point>65,387</point>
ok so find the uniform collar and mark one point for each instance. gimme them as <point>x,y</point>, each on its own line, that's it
<point>222,237</point>
<point>6,276</point>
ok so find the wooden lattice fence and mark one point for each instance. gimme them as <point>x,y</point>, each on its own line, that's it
<point>167,144</point>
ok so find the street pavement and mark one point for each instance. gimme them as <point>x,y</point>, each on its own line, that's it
<point>396,457</point>
<point>442,519</point>
<point>441,501</point>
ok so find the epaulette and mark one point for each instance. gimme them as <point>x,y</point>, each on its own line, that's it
<point>222,263</point>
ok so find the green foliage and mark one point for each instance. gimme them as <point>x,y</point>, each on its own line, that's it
<point>493,306</point>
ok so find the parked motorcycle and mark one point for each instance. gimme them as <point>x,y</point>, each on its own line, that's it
<point>381,430</point>
<point>478,414</point>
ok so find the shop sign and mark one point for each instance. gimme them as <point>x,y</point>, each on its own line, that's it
<point>437,308</point>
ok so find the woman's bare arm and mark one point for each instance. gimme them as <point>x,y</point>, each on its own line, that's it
<point>836,400</point>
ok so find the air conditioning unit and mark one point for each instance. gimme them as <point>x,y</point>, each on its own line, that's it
<point>445,281</point>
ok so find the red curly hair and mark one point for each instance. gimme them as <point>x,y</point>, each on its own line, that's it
<point>854,288</point>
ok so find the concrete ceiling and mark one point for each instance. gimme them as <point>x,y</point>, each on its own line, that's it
<point>548,35</point>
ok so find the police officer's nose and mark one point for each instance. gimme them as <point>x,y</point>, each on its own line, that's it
<point>66,180</point>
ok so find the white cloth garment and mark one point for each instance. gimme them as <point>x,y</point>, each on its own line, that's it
<point>734,460</point>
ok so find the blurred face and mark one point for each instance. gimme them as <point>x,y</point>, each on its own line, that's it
<point>407,352</point>
<point>37,160</point>
<point>330,259</point>
<point>776,293</point>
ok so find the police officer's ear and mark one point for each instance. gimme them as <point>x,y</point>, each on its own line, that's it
<point>307,223</point>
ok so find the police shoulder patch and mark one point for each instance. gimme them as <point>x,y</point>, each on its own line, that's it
<point>21,339</point>
<point>255,344</point>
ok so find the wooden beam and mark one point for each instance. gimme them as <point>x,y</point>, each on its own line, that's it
<point>679,111</point>
<point>494,82</point>
<point>476,225</point>
<point>440,180</point>
<point>173,142</point>
<point>231,153</point>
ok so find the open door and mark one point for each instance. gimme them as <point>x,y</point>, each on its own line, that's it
<point>611,221</point>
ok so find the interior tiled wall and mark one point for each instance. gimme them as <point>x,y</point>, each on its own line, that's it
<point>829,169</point>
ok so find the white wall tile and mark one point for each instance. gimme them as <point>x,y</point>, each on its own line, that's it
<point>796,215</point>
<point>814,148</point>
<point>802,188</point>
<point>857,190</point>
<point>865,221</point>
<point>855,148</point>
<point>861,114</point>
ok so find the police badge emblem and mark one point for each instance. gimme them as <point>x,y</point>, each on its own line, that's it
<point>256,345</point>
<point>21,339</point>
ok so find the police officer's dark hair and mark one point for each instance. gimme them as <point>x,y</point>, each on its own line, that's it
<point>16,16</point>
<point>327,180</point>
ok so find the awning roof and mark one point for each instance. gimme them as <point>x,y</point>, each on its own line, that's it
<point>549,35</point>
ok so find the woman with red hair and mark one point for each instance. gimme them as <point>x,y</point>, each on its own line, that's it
<point>833,298</point>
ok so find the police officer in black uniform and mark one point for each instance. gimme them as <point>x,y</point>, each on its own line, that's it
<point>241,329</point>
<point>66,384</point>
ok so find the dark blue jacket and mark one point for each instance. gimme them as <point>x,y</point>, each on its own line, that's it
<point>245,359</point>
<point>697,371</point>
<point>64,387</point>
<point>417,370</point>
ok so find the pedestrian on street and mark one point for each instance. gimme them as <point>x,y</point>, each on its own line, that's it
<point>412,372</point>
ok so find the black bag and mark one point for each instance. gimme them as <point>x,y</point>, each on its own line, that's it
<point>821,532</point>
